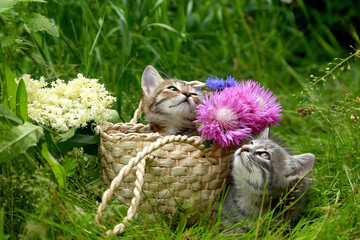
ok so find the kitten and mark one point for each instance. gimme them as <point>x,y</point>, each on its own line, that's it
<point>262,166</point>
<point>169,104</point>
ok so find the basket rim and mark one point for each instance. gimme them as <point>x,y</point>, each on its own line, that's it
<point>130,129</point>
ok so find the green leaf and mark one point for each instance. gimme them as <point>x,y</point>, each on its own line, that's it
<point>48,129</point>
<point>78,140</point>
<point>22,101</point>
<point>37,22</point>
<point>7,41</point>
<point>10,89</point>
<point>70,165</point>
<point>41,1</point>
<point>121,209</point>
<point>7,5</point>
<point>7,115</point>
<point>57,169</point>
<point>60,137</point>
<point>66,135</point>
<point>18,140</point>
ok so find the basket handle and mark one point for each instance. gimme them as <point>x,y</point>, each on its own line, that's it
<point>194,84</point>
<point>137,113</point>
<point>140,161</point>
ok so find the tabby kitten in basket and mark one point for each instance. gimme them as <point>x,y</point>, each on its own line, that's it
<point>169,104</point>
<point>264,167</point>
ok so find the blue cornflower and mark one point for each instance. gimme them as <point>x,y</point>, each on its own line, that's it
<point>217,84</point>
<point>230,82</point>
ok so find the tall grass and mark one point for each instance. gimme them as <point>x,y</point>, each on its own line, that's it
<point>275,43</point>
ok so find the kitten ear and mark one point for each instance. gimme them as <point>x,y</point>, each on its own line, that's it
<point>305,162</point>
<point>150,80</point>
<point>265,134</point>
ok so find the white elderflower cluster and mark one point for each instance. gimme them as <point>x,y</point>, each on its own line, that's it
<point>64,105</point>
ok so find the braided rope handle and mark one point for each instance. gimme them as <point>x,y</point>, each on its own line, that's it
<point>140,161</point>
<point>137,113</point>
<point>194,84</point>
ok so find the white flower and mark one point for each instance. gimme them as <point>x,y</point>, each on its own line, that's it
<point>61,105</point>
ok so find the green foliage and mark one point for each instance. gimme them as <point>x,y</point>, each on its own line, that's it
<point>50,190</point>
<point>79,140</point>
<point>18,139</point>
<point>9,117</point>
<point>9,91</point>
<point>19,39</point>
<point>37,22</point>
<point>6,5</point>
<point>57,169</point>
<point>342,64</point>
<point>2,233</point>
<point>21,101</point>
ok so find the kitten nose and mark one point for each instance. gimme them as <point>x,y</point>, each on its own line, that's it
<point>245,148</point>
<point>186,93</point>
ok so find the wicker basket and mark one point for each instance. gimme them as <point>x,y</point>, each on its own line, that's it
<point>159,173</point>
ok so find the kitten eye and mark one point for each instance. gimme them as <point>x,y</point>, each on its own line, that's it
<point>172,88</point>
<point>264,155</point>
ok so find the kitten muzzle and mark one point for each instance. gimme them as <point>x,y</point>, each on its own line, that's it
<point>239,154</point>
<point>188,100</point>
<point>186,93</point>
<point>244,148</point>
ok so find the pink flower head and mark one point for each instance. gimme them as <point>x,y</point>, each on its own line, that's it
<point>233,115</point>
<point>265,109</point>
<point>220,117</point>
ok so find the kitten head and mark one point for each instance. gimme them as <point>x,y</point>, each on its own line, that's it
<point>169,104</point>
<point>263,160</point>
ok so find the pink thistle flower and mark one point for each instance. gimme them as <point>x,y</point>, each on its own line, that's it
<point>265,109</point>
<point>220,118</point>
<point>236,113</point>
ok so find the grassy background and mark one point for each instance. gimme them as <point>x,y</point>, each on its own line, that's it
<point>275,43</point>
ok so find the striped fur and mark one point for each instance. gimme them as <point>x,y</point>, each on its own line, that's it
<point>169,104</point>
<point>264,167</point>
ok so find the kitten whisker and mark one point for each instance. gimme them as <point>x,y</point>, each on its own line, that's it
<point>163,71</point>
<point>258,165</point>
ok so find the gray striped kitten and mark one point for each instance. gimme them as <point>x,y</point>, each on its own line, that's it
<point>169,104</point>
<point>263,166</point>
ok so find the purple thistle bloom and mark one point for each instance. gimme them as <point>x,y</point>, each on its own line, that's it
<point>234,114</point>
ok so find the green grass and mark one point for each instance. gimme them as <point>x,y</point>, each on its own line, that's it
<point>277,44</point>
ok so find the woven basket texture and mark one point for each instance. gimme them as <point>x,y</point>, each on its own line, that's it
<point>175,174</point>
